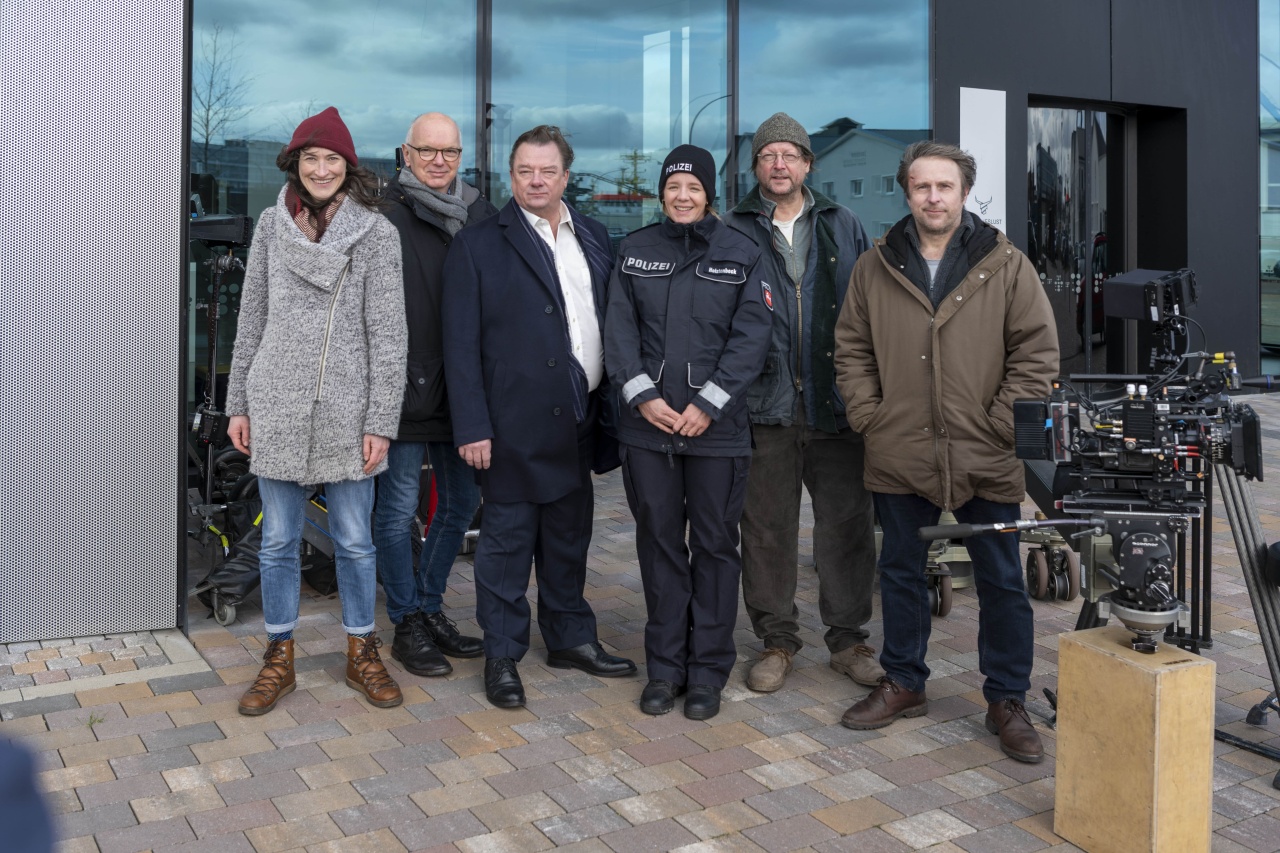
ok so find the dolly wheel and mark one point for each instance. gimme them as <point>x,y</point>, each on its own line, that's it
<point>1037,574</point>
<point>1073,574</point>
<point>223,613</point>
<point>940,599</point>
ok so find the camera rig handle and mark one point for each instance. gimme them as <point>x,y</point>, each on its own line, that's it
<point>961,531</point>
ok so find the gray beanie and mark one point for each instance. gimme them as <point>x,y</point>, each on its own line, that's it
<point>780,127</point>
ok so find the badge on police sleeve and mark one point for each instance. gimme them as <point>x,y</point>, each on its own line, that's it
<point>768,294</point>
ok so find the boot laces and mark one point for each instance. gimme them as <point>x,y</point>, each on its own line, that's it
<point>275,666</point>
<point>442,624</point>
<point>369,665</point>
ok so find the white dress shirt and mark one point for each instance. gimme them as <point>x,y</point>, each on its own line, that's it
<point>575,285</point>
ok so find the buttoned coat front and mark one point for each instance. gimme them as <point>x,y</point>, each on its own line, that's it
<point>507,359</point>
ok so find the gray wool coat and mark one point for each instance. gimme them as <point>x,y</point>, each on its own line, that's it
<point>319,356</point>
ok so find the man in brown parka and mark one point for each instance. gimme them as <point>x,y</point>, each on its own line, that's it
<point>945,324</point>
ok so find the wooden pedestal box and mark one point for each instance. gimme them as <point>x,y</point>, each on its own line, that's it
<point>1135,745</point>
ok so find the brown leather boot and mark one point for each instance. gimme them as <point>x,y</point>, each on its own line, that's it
<point>275,679</point>
<point>1018,736</point>
<point>882,706</point>
<point>366,673</point>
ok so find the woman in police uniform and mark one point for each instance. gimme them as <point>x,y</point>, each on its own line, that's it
<point>686,332</point>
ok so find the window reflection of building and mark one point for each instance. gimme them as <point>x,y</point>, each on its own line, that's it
<point>625,80</point>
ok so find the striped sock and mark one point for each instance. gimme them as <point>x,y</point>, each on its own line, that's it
<point>283,635</point>
<point>365,635</point>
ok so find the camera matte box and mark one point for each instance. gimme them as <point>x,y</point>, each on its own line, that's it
<point>1135,295</point>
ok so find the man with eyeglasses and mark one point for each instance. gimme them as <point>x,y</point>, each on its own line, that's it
<point>801,436</point>
<point>429,205</point>
<point>523,310</point>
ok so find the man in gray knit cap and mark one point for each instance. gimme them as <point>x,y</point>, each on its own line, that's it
<point>801,436</point>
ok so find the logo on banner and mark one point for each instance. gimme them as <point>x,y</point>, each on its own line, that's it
<point>768,295</point>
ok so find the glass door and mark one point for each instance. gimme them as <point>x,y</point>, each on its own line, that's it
<point>1069,235</point>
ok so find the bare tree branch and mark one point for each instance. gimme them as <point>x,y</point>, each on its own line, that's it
<point>218,89</point>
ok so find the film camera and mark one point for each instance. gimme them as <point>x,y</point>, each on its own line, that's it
<point>1133,465</point>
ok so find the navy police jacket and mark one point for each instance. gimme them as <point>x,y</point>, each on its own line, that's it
<point>688,320</point>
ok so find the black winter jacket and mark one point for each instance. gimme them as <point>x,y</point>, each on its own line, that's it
<point>687,320</point>
<point>804,317</point>
<point>424,242</point>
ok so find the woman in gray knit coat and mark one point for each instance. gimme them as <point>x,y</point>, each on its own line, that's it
<point>315,390</point>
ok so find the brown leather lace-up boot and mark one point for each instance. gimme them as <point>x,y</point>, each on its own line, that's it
<point>275,679</point>
<point>366,673</point>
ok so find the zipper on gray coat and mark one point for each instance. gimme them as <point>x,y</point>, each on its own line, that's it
<point>328,328</point>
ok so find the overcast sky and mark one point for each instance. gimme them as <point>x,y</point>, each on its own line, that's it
<point>594,68</point>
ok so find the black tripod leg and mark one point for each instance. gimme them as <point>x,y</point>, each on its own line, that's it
<point>1089,617</point>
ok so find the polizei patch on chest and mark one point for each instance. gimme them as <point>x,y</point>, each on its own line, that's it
<point>642,267</point>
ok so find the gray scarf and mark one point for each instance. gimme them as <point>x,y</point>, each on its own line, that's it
<point>449,207</point>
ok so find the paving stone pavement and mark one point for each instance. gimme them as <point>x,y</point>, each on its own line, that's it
<point>135,760</point>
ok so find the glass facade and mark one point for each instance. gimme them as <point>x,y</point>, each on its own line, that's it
<point>855,74</point>
<point>1269,168</point>
<point>626,81</point>
<point>258,70</point>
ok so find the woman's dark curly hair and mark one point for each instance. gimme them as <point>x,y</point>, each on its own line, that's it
<point>360,184</point>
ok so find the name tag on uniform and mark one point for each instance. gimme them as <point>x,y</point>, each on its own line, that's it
<point>727,272</point>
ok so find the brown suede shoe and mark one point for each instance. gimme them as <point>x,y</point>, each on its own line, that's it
<point>883,705</point>
<point>366,673</point>
<point>770,672</point>
<point>859,663</point>
<point>1018,736</point>
<point>275,679</point>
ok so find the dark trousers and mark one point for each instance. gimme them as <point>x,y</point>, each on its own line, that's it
<point>787,458</point>
<point>554,537</point>
<point>1006,623</point>
<point>690,591</point>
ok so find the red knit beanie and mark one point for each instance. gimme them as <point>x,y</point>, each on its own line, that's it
<point>325,130</point>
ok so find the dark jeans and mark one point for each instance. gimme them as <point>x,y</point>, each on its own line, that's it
<point>830,467</point>
<point>410,588</point>
<point>690,591</point>
<point>1006,624</point>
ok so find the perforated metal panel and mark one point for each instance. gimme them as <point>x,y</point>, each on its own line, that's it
<point>91,167</point>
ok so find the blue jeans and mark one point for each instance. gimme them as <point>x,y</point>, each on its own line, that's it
<point>349,503</point>
<point>411,588</point>
<point>1006,624</point>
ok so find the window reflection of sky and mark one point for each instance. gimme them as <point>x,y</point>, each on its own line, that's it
<point>820,60</point>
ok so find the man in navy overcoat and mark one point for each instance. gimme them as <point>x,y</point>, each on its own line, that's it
<point>523,312</point>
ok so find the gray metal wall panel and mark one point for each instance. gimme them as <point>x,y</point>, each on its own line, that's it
<point>91,114</point>
<point>1203,57</point>
<point>1197,55</point>
<point>1024,48</point>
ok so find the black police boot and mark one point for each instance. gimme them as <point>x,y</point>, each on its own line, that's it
<point>702,703</point>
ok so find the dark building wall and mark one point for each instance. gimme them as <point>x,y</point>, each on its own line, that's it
<point>1160,57</point>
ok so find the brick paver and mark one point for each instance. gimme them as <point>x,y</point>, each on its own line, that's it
<point>169,765</point>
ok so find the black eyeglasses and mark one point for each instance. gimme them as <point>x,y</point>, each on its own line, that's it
<point>428,153</point>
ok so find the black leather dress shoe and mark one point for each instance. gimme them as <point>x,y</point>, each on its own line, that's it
<point>502,683</point>
<point>590,657</point>
<point>702,703</point>
<point>659,697</point>
<point>447,639</point>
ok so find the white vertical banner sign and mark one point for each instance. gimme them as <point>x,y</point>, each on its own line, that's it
<point>982,134</point>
